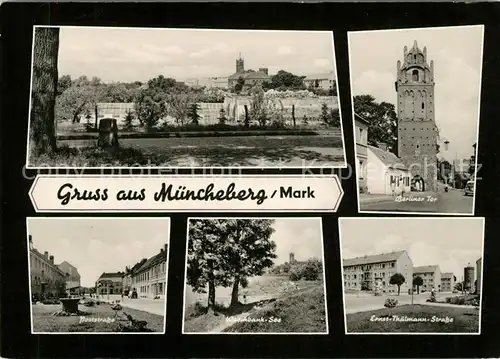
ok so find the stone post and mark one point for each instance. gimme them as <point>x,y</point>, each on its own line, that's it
<point>108,133</point>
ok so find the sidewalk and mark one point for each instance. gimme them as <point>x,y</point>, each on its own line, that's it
<point>374,198</point>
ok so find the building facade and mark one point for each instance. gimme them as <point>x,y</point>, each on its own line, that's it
<point>249,78</point>
<point>431,276</point>
<point>109,283</point>
<point>417,130</point>
<point>361,134</point>
<point>363,273</point>
<point>386,174</point>
<point>73,281</point>
<point>447,282</point>
<point>324,81</point>
<point>479,267</point>
<point>150,279</point>
<point>46,279</point>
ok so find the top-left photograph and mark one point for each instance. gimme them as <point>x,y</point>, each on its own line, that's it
<point>183,98</point>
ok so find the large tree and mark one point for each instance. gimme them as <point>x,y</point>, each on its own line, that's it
<point>44,90</point>
<point>397,279</point>
<point>417,282</point>
<point>284,80</point>
<point>224,252</point>
<point>150,107</point>
<point>382,118</point>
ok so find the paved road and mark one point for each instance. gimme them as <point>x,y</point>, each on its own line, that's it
<point>154,306</point>
<point>453,201</point>
<point>366,302</point>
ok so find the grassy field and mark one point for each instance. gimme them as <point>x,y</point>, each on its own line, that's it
<point>464,320</point>
<point>44,321</point>
<point>297,310</point>
<point>225,151</point>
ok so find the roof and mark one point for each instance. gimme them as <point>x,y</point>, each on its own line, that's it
<point>425,269</point>
<point>322,76</point>
<point>158,258</point>
<point>388,158</point>
<point>105,275</point>
<point>447,275</point>
<point>377,258</point>
<point>360,118</point>
<point>247,74</point>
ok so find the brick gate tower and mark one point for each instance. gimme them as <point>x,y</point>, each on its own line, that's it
<point>417,130</point>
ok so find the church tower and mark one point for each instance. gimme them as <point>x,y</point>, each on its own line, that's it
<point>240,65</point>
<point>417,131</point>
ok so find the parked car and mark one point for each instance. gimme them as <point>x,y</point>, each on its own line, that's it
<point>469,188</point>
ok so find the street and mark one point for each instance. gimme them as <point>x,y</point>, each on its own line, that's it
<point>154,306</point>
<point>453,201</point>
<point>366,301</point>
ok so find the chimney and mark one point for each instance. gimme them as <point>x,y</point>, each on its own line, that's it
<point>264,70</point>
<point>46,255</point>
<point>51,259</point>
<point>165,246</point>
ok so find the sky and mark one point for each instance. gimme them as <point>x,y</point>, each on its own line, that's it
<point>139,54</point>
<point>302,236</point>
<point>457,55</point>
<point>451,243</point>
<point>96,245</point>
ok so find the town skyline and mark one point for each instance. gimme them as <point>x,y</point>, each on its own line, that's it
<point>459,241</point>
<point>97,245</point>
<point>457,75</point>
<point>139,54</point>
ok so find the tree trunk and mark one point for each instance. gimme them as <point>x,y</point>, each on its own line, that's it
<point>399,289</point>
<point>44,89</point>
<point>247,123</point>
<point>418,289</point>
<point>211,294</point>
<point>96,120</point>
<point>234,293</point>
<point>293,115</point>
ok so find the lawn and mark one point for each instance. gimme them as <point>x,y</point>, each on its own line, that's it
<point>221,151</point>
<point>44,321</point>
<point>296,311</point>
<point>460,320</point>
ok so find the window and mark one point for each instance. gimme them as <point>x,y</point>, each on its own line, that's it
<point>414,75</point>
<point>423,106</point>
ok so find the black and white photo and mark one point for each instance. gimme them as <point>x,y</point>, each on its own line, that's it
<point>152,97</point>
<point>98,275</point>
<point>416,98</point>
<point>412,275</point>
<point>255,276</point>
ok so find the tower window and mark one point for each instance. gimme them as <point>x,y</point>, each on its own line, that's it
<point>415,75</point>
<point>422,105</point>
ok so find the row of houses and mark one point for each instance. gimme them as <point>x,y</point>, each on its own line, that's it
<point>249,78</point>
<point>50,279</point>
<point>147,278</point>
<point>364,273</point>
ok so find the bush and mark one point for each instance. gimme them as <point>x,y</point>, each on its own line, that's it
<point>390,303</point>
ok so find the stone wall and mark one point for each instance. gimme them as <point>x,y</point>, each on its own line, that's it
<point>234,108</point>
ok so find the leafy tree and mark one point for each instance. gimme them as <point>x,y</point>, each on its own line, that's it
<point>313,269</point>
<point>76,101</point>
<point>150,107</point>
<point>258,107</point>
<point>239,84</point>
<point>178,106</point>
<point>193,114</point>
<point>63,83</point>
<point>222,117</point>
<point>42,135</point>
<point>128,124</point>
<point>417,282</point>
<point>224,252</point>
<point>397,279</point>
<point>382,118</point>
<point>335,117</point>
<point>325,114</point>
<point>284,80</point>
